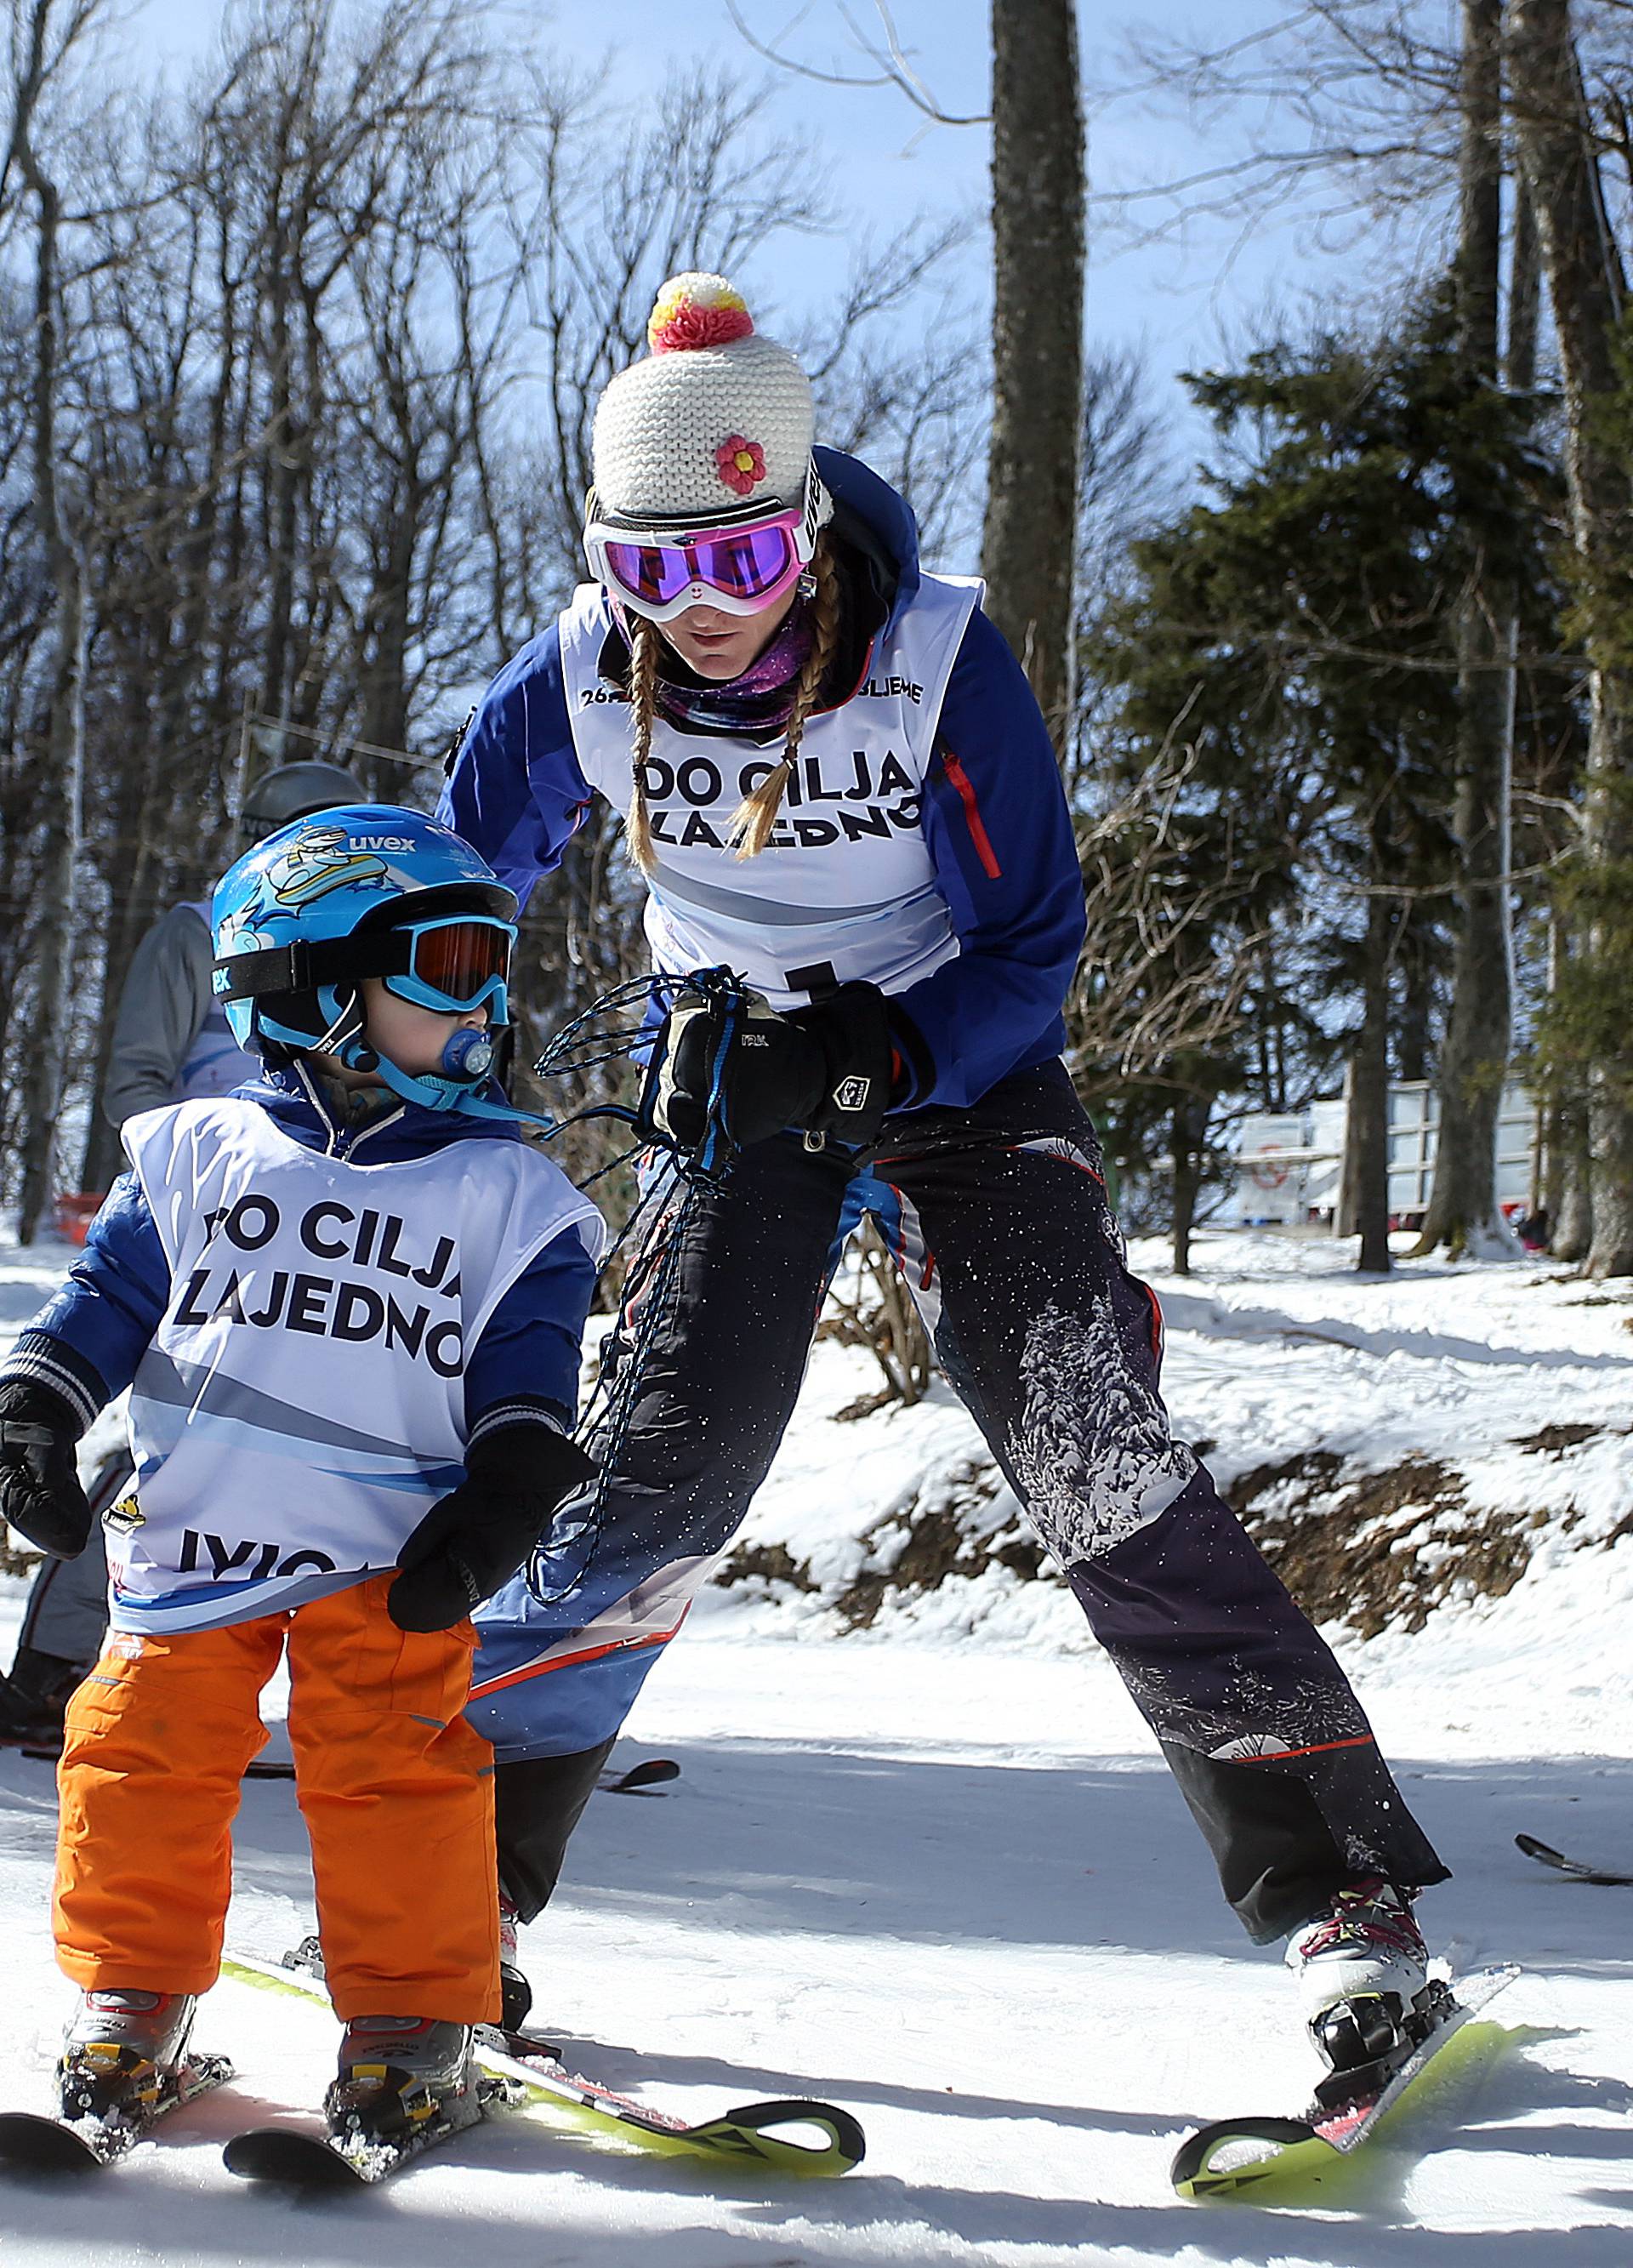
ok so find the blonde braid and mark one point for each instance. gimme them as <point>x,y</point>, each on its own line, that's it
<point>758,813</point>
<point>643,709</point>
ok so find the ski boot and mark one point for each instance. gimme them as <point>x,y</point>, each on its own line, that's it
<point>1363,1984</point>
<point>516,1992</point>
<point>400,2074</point>
<point>122,2051</point>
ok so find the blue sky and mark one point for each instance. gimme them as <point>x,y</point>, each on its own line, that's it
<point>1184,301</point>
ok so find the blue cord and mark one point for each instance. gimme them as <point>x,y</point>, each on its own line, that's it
<point>702,1165</point>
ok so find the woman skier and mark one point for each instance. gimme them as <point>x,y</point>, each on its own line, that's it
<point>836,783</point>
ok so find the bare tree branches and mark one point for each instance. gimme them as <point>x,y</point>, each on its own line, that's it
<point>893,65</point>
<point>1350,112</point>
<point>330,325</point>
<point>1152,987</point>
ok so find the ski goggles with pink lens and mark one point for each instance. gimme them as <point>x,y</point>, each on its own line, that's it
<point>740,567</point>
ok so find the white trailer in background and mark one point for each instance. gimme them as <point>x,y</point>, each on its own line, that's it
<point>1290,1167</point>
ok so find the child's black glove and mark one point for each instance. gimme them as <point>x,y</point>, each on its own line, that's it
<point>476,1538</point>
<point>40,1491</point>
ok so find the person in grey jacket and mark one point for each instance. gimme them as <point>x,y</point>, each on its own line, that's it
<point>170,1041</point>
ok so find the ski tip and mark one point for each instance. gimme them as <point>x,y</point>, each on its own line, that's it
<point>32,2143</point>
<point>289,2154</point>
<point>653,1772</point>
<point>1233,2154</point>
<point>756,2130</point>
<point>1577,1869</point>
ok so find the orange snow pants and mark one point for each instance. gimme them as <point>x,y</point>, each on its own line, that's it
<point>396,1791</point>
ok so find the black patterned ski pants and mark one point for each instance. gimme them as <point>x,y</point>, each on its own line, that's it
<point>999,1218</point>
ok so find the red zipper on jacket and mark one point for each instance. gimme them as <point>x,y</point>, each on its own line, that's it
<point>978,835</point>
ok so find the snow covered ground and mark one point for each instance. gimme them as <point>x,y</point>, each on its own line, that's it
<point>934,1870</point>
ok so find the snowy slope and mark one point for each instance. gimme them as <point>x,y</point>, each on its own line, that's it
<point>934,1869</point>
<point>1277,1348</point>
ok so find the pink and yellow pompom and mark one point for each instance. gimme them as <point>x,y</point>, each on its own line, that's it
<point>696,310</point>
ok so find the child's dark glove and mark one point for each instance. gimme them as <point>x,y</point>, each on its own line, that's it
<point>822,1070</point>
<point>40,1491</point>
<point>476,1538</point>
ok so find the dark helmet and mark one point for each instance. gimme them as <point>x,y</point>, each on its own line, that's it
<point>293,791</point>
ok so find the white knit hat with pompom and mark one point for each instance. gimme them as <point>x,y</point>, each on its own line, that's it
<point>716,418</point>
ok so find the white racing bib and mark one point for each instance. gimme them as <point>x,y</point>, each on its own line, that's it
<point>845,889</point>
<point>301,1406</point>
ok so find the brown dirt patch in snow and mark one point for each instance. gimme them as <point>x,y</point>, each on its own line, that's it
<point>1554,1440</point>
<point>765,1562</point>
<point>936,1547</point>
<point>1381,1547</point>
<point>948,1528</point>
<point>1369,1550</point>
<point>1315,1470</point>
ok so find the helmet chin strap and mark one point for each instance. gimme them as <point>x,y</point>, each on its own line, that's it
<point>465,1071</point>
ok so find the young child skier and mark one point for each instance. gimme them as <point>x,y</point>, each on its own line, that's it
<point>170,1041</point>
<point>348,1301</point>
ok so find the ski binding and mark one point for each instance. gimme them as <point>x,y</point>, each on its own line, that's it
<point>350,2153</point>
<point>39,2143</point>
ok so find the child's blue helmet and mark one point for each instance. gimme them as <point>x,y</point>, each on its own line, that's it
<point>363,890</point>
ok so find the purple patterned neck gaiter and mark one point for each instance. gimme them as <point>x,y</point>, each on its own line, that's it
<point>760,701</point>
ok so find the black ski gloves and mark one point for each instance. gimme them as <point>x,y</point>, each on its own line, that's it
<point>40,1491</point>
<point>850,1033</point>
<point>477,1537</point>
<point>822,1070</point>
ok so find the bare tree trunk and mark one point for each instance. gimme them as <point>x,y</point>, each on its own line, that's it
<point>1029,542</point>
<point>384,685</point>
<point>128,918</point>
<point>1568,1202</point>
<point>1368,1088</point>
<point>1567,1199</point>
<point>1525,291</point>
<point>281,469</point>
<point>1190,1135</point>
<point>1587,291</point>
<point>1463,1211</point>
<point>57,804</point>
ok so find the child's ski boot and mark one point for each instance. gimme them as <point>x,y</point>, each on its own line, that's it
<point>399,2074</point>
<point>122,2051</point>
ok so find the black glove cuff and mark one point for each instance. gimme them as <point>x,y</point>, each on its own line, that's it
<point>529,1460</point>
<point>26,1401</point>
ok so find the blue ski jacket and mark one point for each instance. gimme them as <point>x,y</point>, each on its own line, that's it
<point>86,1342</point>
<point>994,818</point>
